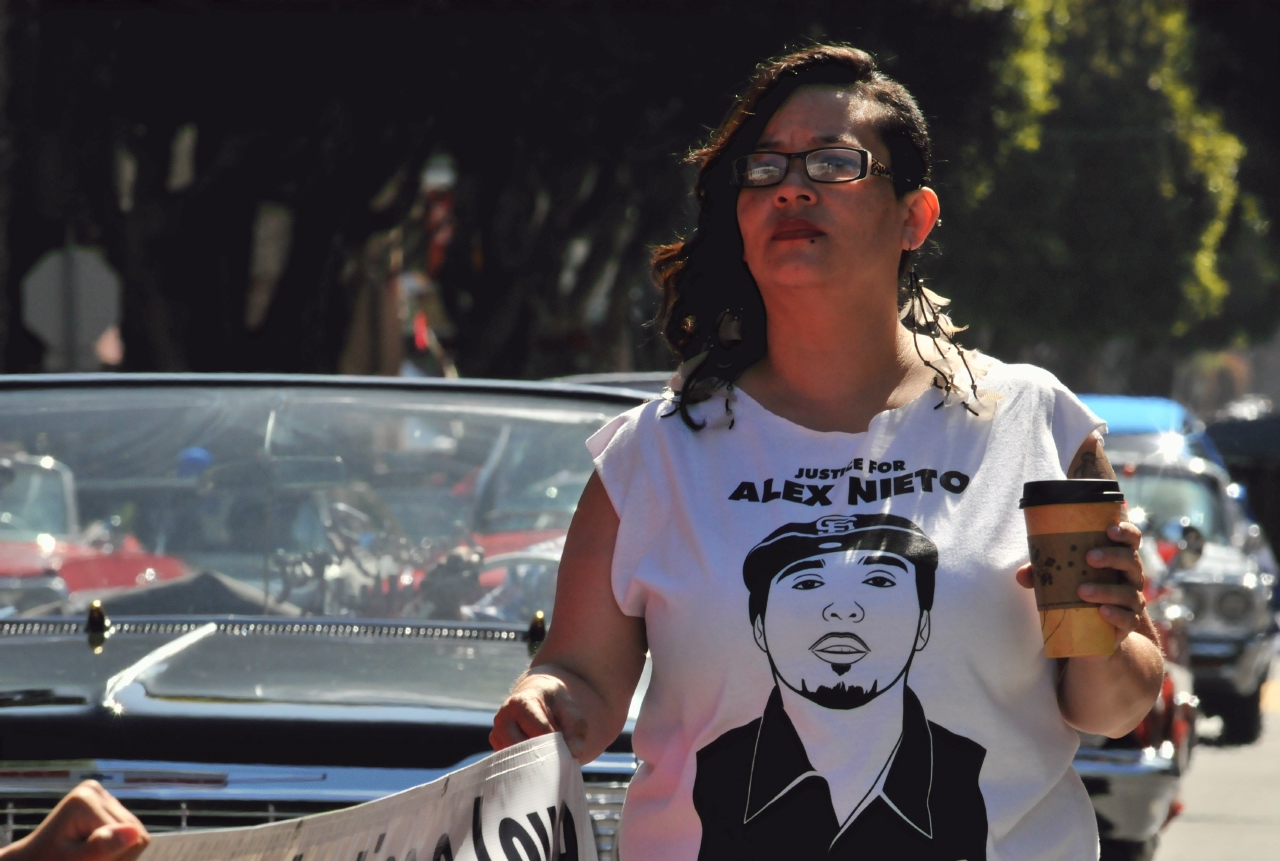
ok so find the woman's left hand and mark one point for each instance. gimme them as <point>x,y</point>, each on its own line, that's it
<point>1123,604</point>
<point>1110,695</point>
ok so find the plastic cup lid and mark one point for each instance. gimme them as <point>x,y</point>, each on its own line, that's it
<point>1070,491</point>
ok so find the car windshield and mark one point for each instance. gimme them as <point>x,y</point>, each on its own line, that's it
<point>1163,503</point>
<point>303,501</point>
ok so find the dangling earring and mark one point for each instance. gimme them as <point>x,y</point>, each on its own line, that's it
<point>934,325</point>
<point>923,318</point>
<point>919,316</point>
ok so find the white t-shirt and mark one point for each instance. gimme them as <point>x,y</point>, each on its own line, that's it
<point>843,663</point>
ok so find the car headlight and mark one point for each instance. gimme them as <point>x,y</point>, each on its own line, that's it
<point>1194,598</point>
<point>1233,605</point>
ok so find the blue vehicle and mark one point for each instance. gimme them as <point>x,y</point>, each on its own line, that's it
<point>1156,422</point>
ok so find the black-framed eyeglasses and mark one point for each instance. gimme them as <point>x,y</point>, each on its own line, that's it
<point>829,164</point>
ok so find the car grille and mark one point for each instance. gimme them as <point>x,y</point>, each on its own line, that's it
<point>22,814</point>
<point>19,815</point>
<point>604,803</point>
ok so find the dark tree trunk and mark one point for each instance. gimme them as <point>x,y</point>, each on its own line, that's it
<point>6,164</point>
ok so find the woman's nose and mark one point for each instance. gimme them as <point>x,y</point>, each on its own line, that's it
<point>795,184</point>
<point>851,613</point>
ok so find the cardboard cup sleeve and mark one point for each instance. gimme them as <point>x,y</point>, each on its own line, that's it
<point>1065,520</point>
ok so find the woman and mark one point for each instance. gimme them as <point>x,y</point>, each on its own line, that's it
<point>819,541</point>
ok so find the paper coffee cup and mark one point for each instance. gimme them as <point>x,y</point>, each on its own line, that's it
<point>1065,520</point>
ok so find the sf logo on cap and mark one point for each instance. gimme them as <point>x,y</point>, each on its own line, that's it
<point>835,525</point>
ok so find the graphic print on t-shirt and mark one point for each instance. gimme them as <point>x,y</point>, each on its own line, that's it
<point>840,606</point>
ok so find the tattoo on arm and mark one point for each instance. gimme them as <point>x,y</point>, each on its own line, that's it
<point>1091,462</point>
<point>1088,466</point>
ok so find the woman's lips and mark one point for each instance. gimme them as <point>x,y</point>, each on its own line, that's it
<point>796,228</point>
<point>840,648</point>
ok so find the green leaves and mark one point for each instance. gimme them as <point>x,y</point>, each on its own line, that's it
<point>1111,184</point>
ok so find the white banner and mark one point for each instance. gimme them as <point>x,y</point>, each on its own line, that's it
<point>525,803</point>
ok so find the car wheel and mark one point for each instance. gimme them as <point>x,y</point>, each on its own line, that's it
<point>1128,850</point>
<point>1241,717</point>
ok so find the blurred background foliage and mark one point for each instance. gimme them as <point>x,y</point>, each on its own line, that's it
<point>473,187</point>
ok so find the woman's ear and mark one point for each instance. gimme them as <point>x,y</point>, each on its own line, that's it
<point>923,212</point>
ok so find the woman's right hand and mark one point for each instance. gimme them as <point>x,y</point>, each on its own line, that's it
<point>539,704</point>
<point>88,824</point>
<point>583,677</point>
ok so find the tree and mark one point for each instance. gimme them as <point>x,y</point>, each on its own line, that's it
<point>1101,220</point>
<point>1238,69</point>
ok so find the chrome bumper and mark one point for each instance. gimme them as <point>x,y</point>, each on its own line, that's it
<point>175,796</point>
<point>1132,790</point>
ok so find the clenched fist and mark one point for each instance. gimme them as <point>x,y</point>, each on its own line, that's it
<point>87,825</point>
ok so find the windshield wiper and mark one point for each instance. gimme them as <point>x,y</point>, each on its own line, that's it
<point>38,697</point>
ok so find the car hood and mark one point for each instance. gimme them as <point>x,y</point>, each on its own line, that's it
<point>145,666</point>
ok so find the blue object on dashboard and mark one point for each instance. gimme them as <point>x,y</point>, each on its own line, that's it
<point>1127,414</point>
<point>193,461</point>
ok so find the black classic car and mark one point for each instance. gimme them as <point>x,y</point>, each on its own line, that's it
<point>331,585</point>
<point>273,596</point>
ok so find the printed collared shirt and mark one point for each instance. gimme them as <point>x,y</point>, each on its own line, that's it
<point>759,797</point>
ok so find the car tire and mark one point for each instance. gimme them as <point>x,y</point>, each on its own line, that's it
<point>1128,850</point>
<point>1241,717</point>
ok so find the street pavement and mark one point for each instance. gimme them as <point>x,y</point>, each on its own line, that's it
<point>1231,798</point>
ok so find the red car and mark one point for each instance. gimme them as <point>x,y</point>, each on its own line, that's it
<point>45,556</point>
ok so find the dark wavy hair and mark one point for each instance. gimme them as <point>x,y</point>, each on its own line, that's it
<point>710,302</point>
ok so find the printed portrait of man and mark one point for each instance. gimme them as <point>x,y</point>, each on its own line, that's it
<point>843,763</point>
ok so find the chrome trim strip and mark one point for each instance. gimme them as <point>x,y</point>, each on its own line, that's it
<point>619,766</point>
<point>268,626</point>
<point>186,781</point>
<point>1121,763</point>
<point>195,782</point>
<point>135,700</point>
<point>408,385</point>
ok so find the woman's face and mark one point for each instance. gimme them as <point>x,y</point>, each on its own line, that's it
<point>802,233</point>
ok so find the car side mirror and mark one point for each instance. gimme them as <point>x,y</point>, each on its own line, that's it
<point>1253,540</point>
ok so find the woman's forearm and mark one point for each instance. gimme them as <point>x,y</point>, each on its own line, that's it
<point>582,679</point>
<point>554,697</point>
<point>603,719</point>
<point>1110,696</point>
